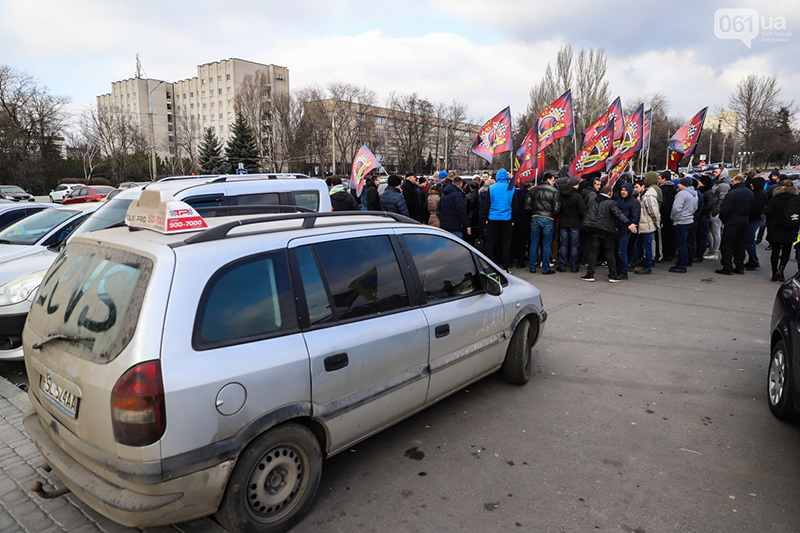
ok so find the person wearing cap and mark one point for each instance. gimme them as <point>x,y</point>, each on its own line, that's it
<point>392,199</point>
<point>570,218</point>
<point>682,216</point>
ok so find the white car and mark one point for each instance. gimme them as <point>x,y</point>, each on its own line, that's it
<point>57,195</point>
<point>27,249</point>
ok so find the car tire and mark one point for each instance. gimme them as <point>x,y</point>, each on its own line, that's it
<point>52,200</point>
<point>780,384</point>
<point>517,364</point>
<point>273,483</point>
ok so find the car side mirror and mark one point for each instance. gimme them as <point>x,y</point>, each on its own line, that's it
<point>491,285</point>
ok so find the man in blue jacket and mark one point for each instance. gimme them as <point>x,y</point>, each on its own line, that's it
<point>500,210</point>
<point>453,210</point>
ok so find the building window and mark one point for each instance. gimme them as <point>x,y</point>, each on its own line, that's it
<point>169,128</point>
<point>378,120</point>
<point>204,94</point>
<point>220,103</point>
<point>219,79</point>
<point>279,76</point>
<point>221,128</point>
<point>204,105</point>
<point>169,118</point>
<point>184,96</point>
<point>212,105</point>
<point>229,90</point>
<point>169,106</point>
<point>191,106</point>
<point>202,81</point>
<point>219,91</point>
<point>213,116</point>
<point>191,95</point>
<point>220,116</point>
<point>177,108</point>
<point>210,80</point>
<point>134,94</point>
<point>228,77</point>
<point>229,102</point>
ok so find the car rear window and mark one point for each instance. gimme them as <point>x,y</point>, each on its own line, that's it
<point>91,296</point>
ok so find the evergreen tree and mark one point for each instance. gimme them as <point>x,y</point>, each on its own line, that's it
<point>242,146</point>
<point>210,156</point>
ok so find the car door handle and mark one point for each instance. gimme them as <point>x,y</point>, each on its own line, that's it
<point>442,331</point>
<point>335,362</point>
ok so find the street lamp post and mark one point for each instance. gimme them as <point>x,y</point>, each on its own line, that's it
<point>333,139</point>
<point>152,134</point>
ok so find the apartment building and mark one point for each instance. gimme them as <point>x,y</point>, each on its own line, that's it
<point>188,107</point>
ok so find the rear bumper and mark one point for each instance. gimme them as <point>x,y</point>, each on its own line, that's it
<point>136,505</point>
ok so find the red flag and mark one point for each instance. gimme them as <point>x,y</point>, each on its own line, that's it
<point>526,161</point>
<point>593,156</point>
<point>614,114</point>
<point>674,159</point>
<point>619,168</point>
<point>555,121</point>
<point>631,140</point>
<point>495,136</point>
<point>362,164</point>
<point>647,122</point>
<point>686,137</point>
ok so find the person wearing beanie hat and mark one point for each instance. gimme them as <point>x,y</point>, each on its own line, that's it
<point>682,216</point>
<point>392,200</point>
<point>443,175</point>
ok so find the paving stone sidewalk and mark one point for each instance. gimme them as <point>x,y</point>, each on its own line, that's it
<point>21,464</point>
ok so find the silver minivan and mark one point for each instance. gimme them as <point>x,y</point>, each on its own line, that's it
<point>179,375</point>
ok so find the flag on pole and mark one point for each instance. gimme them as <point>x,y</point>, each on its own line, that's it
<point>555,121</point>
<point>614,115</point>
<point>619,168</point>
<point>362,164</point>
<point>674,159</point>
<point>526,160</point>
<point>593,156</point>
<point>631,140</point>
<point>647,123</point>
<point>495,136</point>
<point>686,137</point>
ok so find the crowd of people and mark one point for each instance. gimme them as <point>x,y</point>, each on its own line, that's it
<point>568,223</point>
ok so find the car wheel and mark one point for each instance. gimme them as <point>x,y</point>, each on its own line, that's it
<point>780,384</point>
<point>274,481</point>
<point>517,364</point>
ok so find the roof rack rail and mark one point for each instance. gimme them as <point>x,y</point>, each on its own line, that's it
<point>309,219</point>
<point>265,208</point>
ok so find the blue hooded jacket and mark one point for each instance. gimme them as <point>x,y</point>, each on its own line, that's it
<point>500,197</point>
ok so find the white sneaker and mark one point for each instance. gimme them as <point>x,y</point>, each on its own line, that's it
<point>711,257</point>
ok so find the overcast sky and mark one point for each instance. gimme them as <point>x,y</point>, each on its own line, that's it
<point>486,54</point>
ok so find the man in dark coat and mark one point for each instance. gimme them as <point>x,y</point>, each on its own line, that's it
<point>473,205</point>
<point>453,210</point>
<point>668,192</point>
<point>760,195</point>
<point>341,200</point>
<point>780,234</point>
<point>600,222</point>
<point>373,202</point>
<point>544,204</point>
<point>735,215</point>
<point>571,216</point>
<point>392,199</point>
<point>409,189</point>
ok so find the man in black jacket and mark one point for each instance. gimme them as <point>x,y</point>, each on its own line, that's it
<point>668,191</point>
<point>735,215</point>
<point>409,189</point>
<point>392,199</point>
<point>544,204</point>
<point>373,196</point>
<point>341,200</point>
<point>760,200</point>
<point>600,222</point>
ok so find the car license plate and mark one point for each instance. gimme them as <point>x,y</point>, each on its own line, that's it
<point>57,394</point>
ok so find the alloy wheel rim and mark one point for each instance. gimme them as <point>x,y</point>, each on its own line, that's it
<point>777,376</point>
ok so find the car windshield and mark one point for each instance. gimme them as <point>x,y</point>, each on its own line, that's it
<point>102,190</point>
<point>113,212</point>
<point>12,190</point>
<point>31,229</point>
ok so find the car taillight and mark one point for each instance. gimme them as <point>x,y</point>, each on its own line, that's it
<point>138,413</point>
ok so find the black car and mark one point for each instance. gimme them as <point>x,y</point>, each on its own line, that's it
<point>15,194</point>
<point>783,387</point>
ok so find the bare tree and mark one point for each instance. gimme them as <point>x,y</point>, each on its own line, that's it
<point>118,135</point>
<point>755,102</point>
<point>289,132</point>
<point>188,131</point>
<point>31,120</point>
<point>254,102</point>
<point>448,135</point>
<point>315,126</point>
<point>355,121</point>
<point>591,88</point>
<point>411,119</point>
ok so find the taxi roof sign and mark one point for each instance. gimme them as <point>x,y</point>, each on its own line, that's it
<point>164,215</point>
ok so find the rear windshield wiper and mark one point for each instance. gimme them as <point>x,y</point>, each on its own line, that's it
<point>70,338</point>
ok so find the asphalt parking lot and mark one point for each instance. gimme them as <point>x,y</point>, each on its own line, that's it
<point>647,412</point>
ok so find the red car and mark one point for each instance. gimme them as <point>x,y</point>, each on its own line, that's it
<point>84,195</point>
